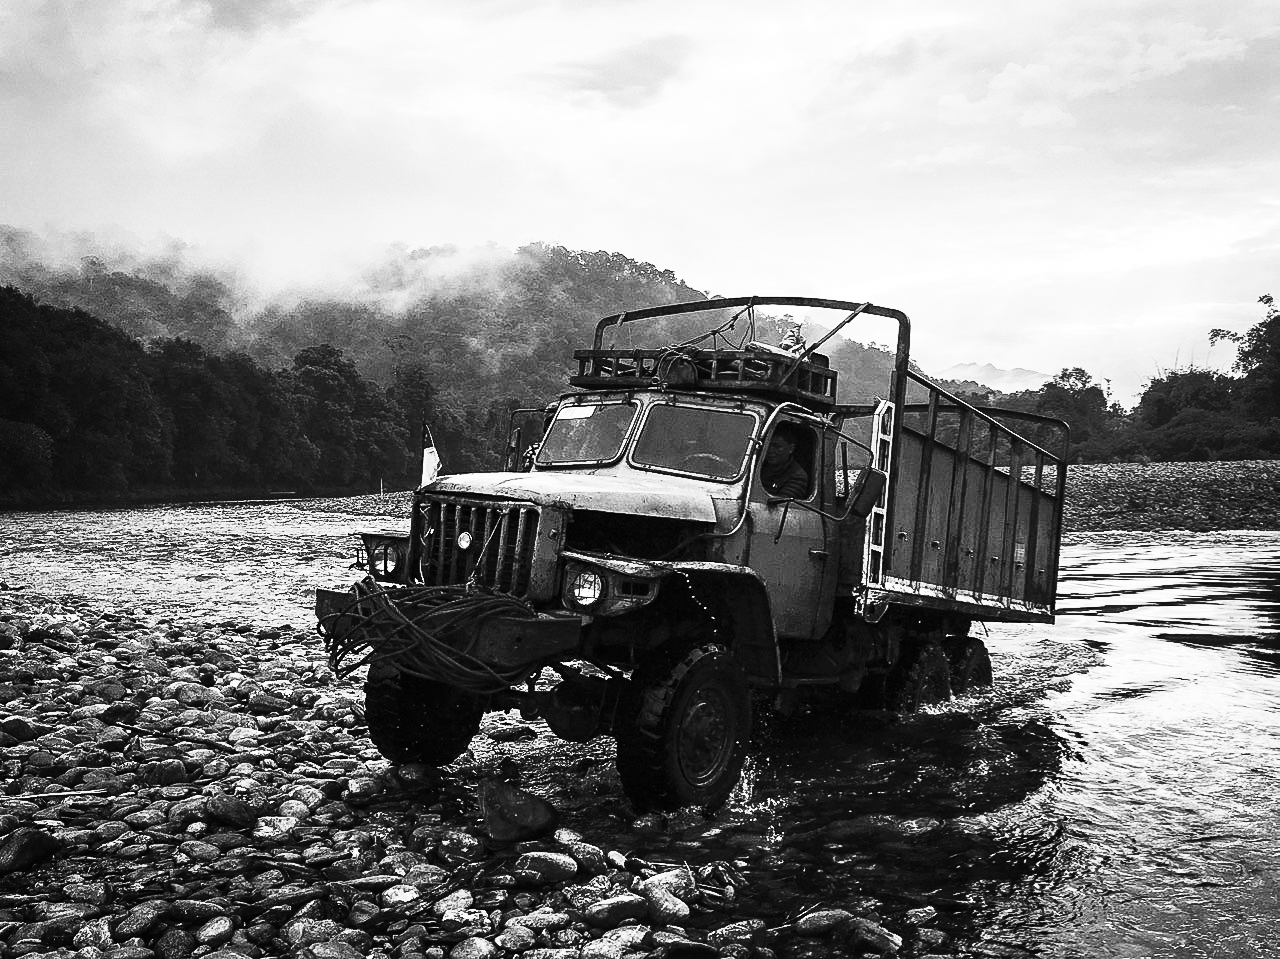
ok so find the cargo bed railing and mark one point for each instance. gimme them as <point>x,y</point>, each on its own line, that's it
<point>974,508</point>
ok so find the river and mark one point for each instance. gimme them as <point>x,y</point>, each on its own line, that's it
<point>1116,793</point>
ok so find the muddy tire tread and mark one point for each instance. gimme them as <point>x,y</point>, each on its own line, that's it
<point>642,757</point>
<point>416,720</point>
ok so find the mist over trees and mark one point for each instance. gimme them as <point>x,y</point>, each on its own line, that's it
<point>123,375</point>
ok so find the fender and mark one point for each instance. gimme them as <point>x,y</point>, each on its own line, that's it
<point>733,595</point>
<point>737,595</point>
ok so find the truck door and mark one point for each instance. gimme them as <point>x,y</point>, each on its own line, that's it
<point>790,546</point>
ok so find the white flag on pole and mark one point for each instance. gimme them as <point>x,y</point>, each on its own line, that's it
<point>430,458</point>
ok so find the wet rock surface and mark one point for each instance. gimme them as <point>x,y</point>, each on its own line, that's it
<point>180,790</point>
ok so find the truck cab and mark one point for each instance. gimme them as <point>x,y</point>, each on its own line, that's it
<point>699,531</point>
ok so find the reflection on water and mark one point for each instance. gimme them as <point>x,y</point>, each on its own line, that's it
<point>1114,794</point>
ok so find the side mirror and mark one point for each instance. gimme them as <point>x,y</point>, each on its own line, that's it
<point>866,492</point>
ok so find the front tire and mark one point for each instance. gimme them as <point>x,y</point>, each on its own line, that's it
<point>688,731</point>
<point>413,720</point>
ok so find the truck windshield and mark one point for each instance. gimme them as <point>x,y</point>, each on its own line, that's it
<point>592,433</point>
<point>695,439</point>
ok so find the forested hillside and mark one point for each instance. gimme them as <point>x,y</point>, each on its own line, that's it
<point>131,376</point>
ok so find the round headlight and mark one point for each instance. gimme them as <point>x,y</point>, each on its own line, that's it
<point>384,558</point>
<point>585,587</point>
<point>464,541</point>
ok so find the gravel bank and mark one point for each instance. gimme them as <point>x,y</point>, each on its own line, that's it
<point>1187,496</point>
<point>195,789</point>
<point>175,789</point>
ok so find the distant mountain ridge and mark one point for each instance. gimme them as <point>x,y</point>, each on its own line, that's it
<point>1002,381</point>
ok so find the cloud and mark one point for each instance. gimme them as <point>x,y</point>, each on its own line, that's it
<point>1032,158</point>
<point>634,75</point>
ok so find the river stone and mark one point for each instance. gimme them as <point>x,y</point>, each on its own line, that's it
<point>25,847</point>
<point>546,867</point>
<point>457,847</point>
<point>306,932</point>
<point>275,828</point>
<point>199,851</point>
<point>426,875</point>
<point>192,694</point>
<point>590,858</point>
<point>822,921</point>
<point>516,938</point>
<point>474,948</point>
<point>747,932</point>
<point>174,943</point>
<point>94,893</point>
<point>216,932</point>
<point>164,772</point>
<point>332,950</point>
<point>665,908</point>
<point>678,882</point>
<point>312,797</point>
<point>140,920</point>
<point>230,811</point>
<point>95,933</point>
<point>542,919</point>
<point>362,913</point>
<point>611,912</point>
<point>399,895</point>
<point>918,917</point>
<point>460,899</point>
<point>512,814</point>
<point>294,809</point>
<point>363,788</point>
<point>875,937</point>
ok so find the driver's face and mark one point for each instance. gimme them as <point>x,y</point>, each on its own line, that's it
<point>779,451</point>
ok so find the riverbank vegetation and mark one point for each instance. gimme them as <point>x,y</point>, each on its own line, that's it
<point>131,379</point>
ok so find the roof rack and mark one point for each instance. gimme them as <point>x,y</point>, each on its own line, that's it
<point>805,377</point>
<point>756,369</point>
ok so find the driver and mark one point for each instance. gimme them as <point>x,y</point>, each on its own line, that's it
<point>781,475</point>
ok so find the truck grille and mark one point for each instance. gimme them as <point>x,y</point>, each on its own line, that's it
<point>500,554</point>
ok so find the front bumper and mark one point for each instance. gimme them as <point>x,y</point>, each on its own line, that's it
<point>504,638</point>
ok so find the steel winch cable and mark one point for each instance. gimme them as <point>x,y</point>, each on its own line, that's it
<point>423,631</point>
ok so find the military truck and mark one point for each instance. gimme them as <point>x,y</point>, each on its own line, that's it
<point>631,573</point>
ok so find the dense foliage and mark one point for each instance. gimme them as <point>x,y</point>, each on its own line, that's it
<point>1186,415</point>
<point>88,412</point>
<point>130,377</point>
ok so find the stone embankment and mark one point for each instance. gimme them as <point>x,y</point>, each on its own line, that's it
<point>176,790</point>
<point>1183,496</point>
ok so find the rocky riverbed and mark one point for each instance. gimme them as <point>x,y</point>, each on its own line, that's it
<point>176,788</point>
<point>198,789</point>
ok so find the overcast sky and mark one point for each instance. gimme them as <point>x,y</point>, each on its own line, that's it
<point>1042,185</point>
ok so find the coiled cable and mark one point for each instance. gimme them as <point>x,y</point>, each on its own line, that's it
<point>425,631</point>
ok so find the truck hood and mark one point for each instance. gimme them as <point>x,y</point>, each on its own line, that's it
<point>672,497</point>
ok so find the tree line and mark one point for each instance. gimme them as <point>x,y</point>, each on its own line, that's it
<point>1192,414</point>
<point>87,412</point>
<point>147,378</point>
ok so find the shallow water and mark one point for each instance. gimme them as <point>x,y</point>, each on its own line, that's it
<point>1116,793</point>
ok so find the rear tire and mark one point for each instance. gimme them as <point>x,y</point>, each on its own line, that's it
<point>414,720</point>
<point>922,678</point>
<point>688,730</point>
<point>970,665</point>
